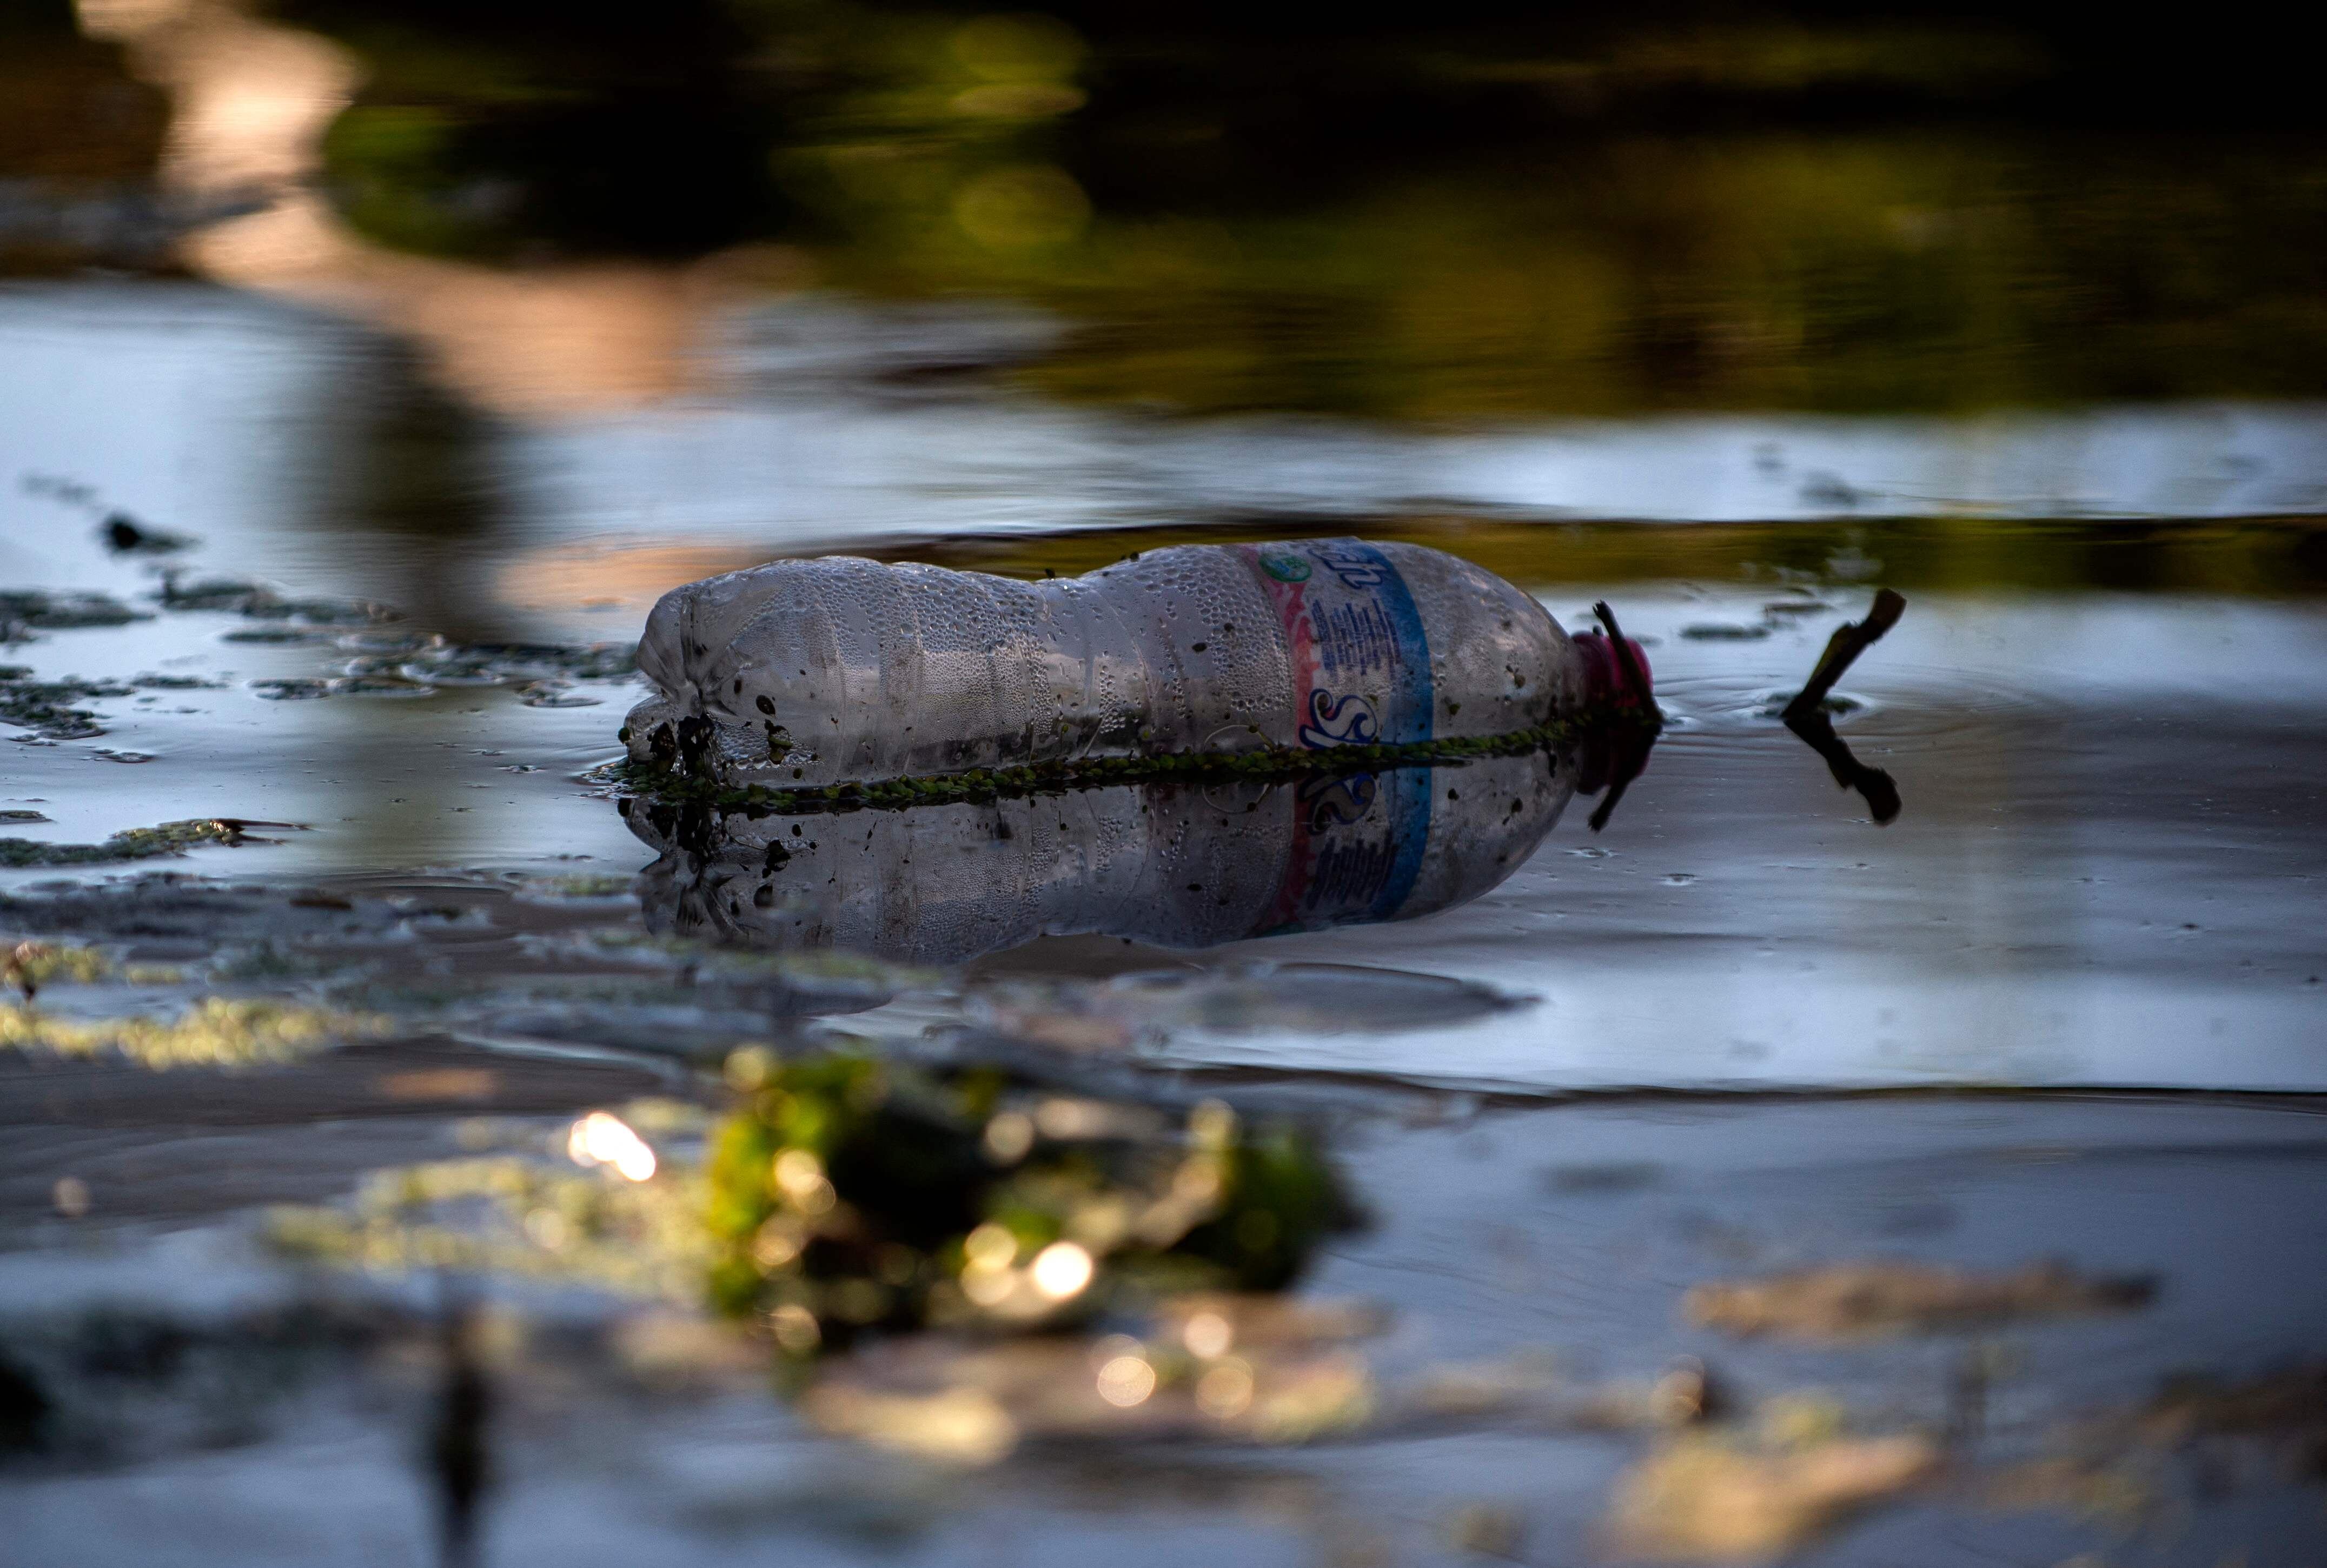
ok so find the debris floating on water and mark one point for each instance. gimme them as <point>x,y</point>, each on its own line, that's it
<point>214,1032</point>
<point>125,535</point>
<point>136,842</point>
<point>1862,1301</point>
<point>850,1195</point>
<point>1727,1497</point>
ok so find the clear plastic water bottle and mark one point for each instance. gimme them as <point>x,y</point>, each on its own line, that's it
<point>810,672</point>
<point>1177,866</point>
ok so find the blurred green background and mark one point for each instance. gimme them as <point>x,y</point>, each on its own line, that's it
<point>1471,208</point>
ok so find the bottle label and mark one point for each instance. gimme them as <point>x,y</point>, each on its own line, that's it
<point>1360,663</point>
<point>1361,658</point>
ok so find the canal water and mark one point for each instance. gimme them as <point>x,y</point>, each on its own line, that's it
<point>1757,1172</point>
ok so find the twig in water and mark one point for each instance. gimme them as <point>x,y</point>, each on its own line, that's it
<point>1849,640</point>
<point>1806,715</point>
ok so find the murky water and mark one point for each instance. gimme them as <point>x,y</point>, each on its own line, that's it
<point>1741,1176</point>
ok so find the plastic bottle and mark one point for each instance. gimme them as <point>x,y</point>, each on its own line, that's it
<point>1178,865</point>
<point>809,673</point>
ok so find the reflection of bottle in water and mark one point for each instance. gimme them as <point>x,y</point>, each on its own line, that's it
<point>1179,865</point>
<point>812,672</point>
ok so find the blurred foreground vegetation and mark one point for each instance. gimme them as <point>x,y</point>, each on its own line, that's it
<point>844,1196</point>
<point>850,1194</point>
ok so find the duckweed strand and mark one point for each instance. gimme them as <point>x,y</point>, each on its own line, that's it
<point>678,785</point>
<point>131,843</point>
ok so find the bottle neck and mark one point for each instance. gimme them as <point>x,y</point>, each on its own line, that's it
<point>1607,682</point>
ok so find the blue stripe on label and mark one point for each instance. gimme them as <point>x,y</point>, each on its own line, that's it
<point>1406,716</point>
<point>1367,628</point>
<point>1412,711</point>
<point>1409,817</point>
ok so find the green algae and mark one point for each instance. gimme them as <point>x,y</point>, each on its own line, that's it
<point>215,1031</point>
<point>516,1216</point>
<point>849,1194</point>
<point>130,843</point>
<point>978,784</point>
<point>540,674</point>
<point>177,683</point>
<point>845,1196</point>
<point>30,965</point>
<point>62,611</point>
<point>440,663</point>
<point>581,885</point>
<point>257,602</point>
<point>33,966</point>
<point>49,708</point>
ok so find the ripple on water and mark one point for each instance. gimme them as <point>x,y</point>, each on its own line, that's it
<point>1919,705</point>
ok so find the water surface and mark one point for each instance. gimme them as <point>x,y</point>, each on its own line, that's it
<point>409,424</point>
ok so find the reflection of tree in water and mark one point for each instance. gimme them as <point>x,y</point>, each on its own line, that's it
<point>242,160</point>
<point>406,462</point>
<point>1487,213</point>
<point>1492,215</point>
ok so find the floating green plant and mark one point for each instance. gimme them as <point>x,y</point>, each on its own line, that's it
<point>851,1195</point>
<point>680,785</point>
<point>49,707</point>
<point>131,843</point>
<point>215,1031</point>
<point>62,611</point>
<point>846,1195</point>
<point>517,1216</point>
<point>30,967</point>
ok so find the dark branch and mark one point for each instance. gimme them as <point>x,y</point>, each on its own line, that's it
<point>1806,715</point>
<point>1842,650</point>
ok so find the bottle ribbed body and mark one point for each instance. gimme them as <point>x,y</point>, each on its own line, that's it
<point>807,673</point>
